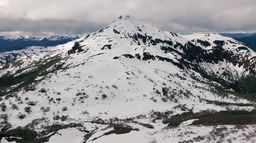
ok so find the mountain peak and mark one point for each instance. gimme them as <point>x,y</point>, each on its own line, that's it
<point>127,20</point>
<point>125,17</point>
<point>92,85</point>
<point>129,26</point>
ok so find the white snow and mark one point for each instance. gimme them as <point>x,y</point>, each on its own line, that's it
<point>13,35</point>
<point>94,85</point>
<point>188,122</point>
<point>70,135</point>
<point>134,137</point>
<point>5,141</point>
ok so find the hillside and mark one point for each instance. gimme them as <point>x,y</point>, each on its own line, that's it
<point>133,82</point>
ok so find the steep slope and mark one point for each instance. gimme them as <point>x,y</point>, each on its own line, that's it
<point>129,79</point>
<point>223,60</point>
<point>216,48</point>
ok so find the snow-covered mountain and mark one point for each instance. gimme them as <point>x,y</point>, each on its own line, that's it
<point>17,40</point>
<point>130,82</point>
<point>14,35</point>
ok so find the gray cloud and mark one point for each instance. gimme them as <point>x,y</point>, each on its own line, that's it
<point>88,15</point>
<point>47,25</point>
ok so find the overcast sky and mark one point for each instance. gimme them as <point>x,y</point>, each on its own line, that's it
<point>83,16</point>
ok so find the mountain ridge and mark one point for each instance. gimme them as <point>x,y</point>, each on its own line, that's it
<point>129,79</point>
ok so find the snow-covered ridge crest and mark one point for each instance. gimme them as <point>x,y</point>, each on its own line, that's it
<point>129,24</point>
<point>14,35</point>
<point>128,79</point>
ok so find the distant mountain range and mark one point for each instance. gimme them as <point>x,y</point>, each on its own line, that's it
<point>130,82</point>
<point>10,41</point>
<point>18,40</point>
<point>249,39</point>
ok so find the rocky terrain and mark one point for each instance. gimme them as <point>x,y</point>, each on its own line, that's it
<point>130,82</point>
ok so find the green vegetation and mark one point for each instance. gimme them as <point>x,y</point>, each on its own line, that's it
<point>214,77</point>
<point>214,118</point>
<point>227,118</point>
<point>27,135</point>
<point>247,85</point>
<point>25,79</point>
<point>244,87</point>
<point>21,135</point>
<point>118,129</point>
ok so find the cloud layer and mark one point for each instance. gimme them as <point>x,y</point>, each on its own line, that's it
<point>81,16</point>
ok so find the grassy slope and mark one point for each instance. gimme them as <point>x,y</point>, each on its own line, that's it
<point>43,67</point>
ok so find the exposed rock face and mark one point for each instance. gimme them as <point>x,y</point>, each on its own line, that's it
<point>128,79</point>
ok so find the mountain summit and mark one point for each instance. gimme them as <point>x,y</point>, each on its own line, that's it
<point>128,80</point>
<point>129,24</point>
